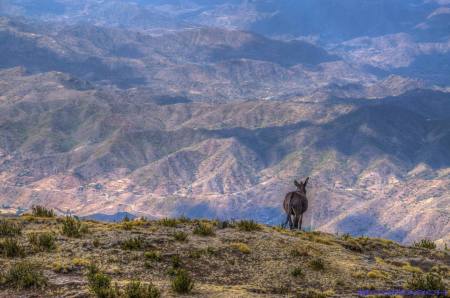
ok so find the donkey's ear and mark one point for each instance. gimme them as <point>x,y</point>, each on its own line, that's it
<point>297,184</point>
<point>306,182</point>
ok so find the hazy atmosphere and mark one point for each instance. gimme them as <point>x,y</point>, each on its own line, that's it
<point>222,148</point>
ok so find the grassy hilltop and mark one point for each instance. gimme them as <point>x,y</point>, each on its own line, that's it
<point>47,256</point>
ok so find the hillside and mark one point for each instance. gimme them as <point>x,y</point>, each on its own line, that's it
<point>203,64</point>
<point>72,146</point>
<point>240,259</point>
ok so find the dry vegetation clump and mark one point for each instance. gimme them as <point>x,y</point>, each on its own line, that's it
<point>24,275</point>
<point>242,247</point>
<point>168,222</point>
<point>428,281</point>
<point>248,225</point>
<point>297,272</point>
<point>11,248</point>
<point>180,236</point>
<point>100,283</point>
<point>42,241</point>
<point>153,255</point>
<point>317,264</point>
<point>425,243</point>
<point>135,243</point>
<point>41,211</point>
<point>73,227</point>
<point>182,283</point>
<point>9,228</point>
<point>204,229</point>
<point>137,289</point>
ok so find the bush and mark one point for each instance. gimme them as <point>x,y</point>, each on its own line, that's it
<point>9,229</point>
<point>180,236</point>
<point>297,272</point>
<point>136,289</point>
<point>426,282</point>
<point>176,261</point>
<point>242,247</point>
<point>182,283</point>
<point>352,245</point>
<point>153,255</point>
<point>346,237</point>
<point>317,264</point>
<point>41,211</point>
<point>96,243</point>
<point>168,222</point>
<point>425,243</point>
<point>204,229</point>
<point>10,248</point>
<point>223,224</point>
<point>376,274</point>
<point>248,225</point>
<point>42,241</point>
<point>72,227</point>
<point>100,283</point>
<point>133,243</point>
<point>63,268</point>
<point>24,275</point>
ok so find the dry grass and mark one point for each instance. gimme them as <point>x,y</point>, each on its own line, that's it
<point>233,263</point>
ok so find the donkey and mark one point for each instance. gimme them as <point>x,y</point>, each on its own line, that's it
<point>295,204</point>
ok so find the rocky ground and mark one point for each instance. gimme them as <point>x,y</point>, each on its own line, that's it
<point>239,259</point>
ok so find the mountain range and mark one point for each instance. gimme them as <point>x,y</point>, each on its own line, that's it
<point>213,108</point>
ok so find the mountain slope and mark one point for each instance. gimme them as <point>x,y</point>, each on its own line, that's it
<point>73,146</point>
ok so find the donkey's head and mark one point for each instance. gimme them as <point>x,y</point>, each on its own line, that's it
<point>301,187</point>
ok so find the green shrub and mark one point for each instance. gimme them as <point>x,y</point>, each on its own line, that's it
<point>96,243</point>
<point>176,261</point>
<point>317,264</point>
<point>9,229</point>
<point>100,283</point>
<point>168,222</point>
<point>10,248</point>
<point>153,255</point>
<point>346,236</point>
<point>41,211</point>
<point>182,283</point>
<point>204,229</point>
<point>297,272</point>
<point>223,224</point>
<point>425,243</point>
<point>42,241</point>
<point>136,289</point>
<point>180,236</point>
<point>133,243</point>
<point>426,282</point>
<point>72,227</point>
<point>24,275</point>
<point>248,225</point>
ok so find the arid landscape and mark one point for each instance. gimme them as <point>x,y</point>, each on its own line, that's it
<point>61,257</point>
<point>211,109</point>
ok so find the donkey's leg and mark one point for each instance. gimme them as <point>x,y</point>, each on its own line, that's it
<point>287,220</point>
<point>300,224</point>
<point>291,223</point>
